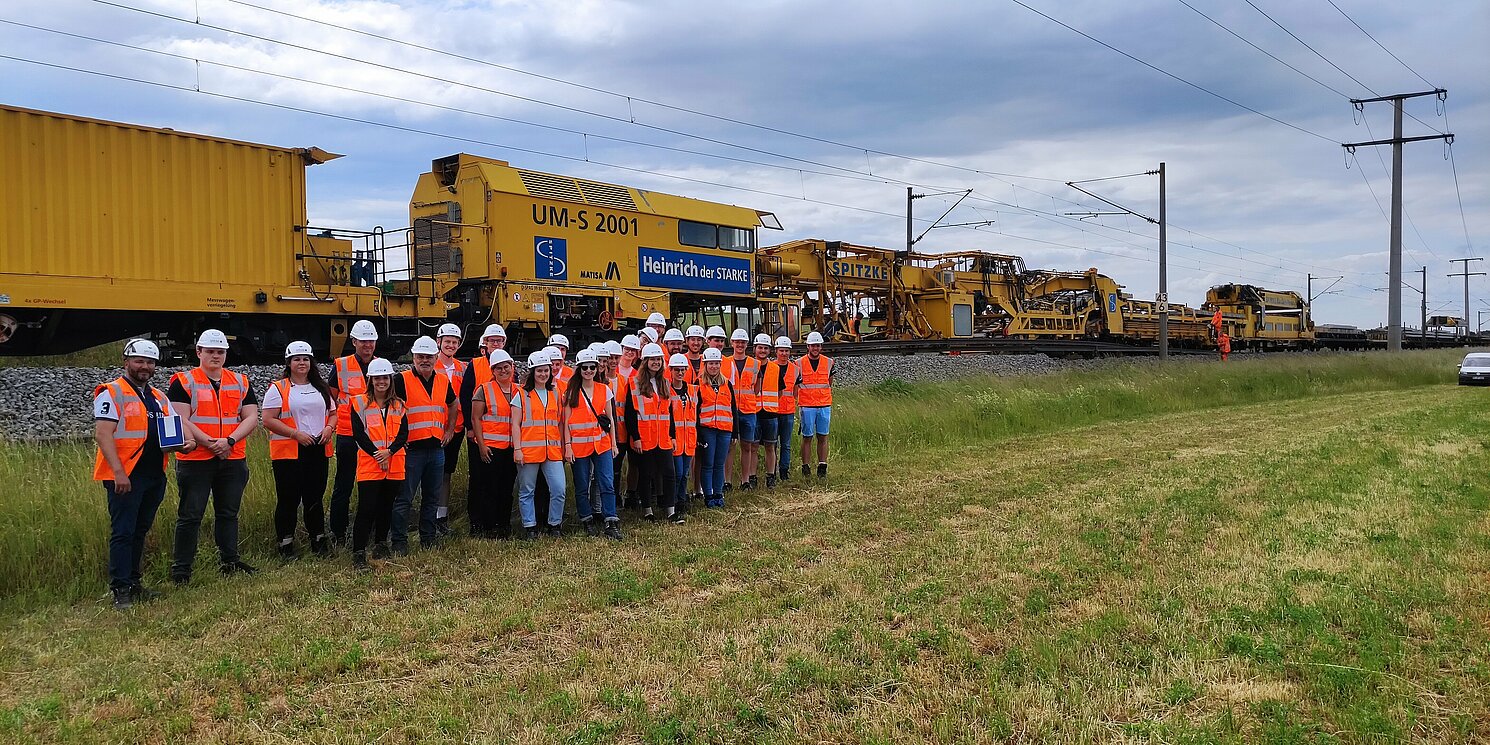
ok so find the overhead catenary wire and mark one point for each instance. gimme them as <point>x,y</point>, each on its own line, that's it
<point>1379,44</point>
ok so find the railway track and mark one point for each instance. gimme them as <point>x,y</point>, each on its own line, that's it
<point>1083,347</point>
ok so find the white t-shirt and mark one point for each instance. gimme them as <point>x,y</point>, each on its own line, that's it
<point>306,405</point>
<point>449,369</point>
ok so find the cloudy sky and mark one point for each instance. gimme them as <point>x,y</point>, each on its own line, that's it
<point>823,112</point>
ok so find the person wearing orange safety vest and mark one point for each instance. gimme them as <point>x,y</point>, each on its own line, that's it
<point>563,373</point>
<point>380,427</point>
<point>478,373</point>
<point>590,422</point>
<point>748,401</point>
<point>300,417</point>
<point>491,411</point>
<point>449,339</point>
<point>432,406</point>
<point>348,379</point>
<point>131,465</point>
<point>218,411</point>
<point>684,403</point>
<point>538,447</point>
<point>815,398</point>
<point>621,378</point>
<point>650,430</point>
<point>717,413</point>
<point>736,364</point>
<point>779,403</point>
<point>1224,343</point>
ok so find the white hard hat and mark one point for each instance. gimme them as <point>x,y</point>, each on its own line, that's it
<point>379,367</point>
<point>494,329</point>
<point>539,358</point>
<point>213,339</point>
<point>599,349</point>
<point>631,341</point>
<point>650,333</point>
<point>814,338</point>
<point>498,357</point>
<point>613,347</point>
<point>449,329</point>
<point>740,335</point>
<point>712,355</point>
<point>763,339</point>
<point>364,331</point>
<point>678,360</point>
<point>783,342</point>
<point>298,348</point>
<point>673,335</point>
<point>695,331</point>
<point>559,340</point>
<point>650,351</point>
<point>424,345</point>
<point>554,355</point>
<point>716,332</point>
<point>657,318</point>
<point>142,348</point>
<point>585,357</point>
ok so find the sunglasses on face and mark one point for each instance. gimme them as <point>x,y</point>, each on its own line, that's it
<point>587,368</point>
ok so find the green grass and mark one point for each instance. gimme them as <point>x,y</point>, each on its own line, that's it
<point>103,355</point>
<point>1300,557</point>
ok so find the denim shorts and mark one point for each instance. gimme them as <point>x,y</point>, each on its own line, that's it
<point>815,420</point>
<point>766,424</point>
<point>746,428</point>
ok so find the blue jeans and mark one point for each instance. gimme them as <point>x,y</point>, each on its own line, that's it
<point>424,467</point>
<point>747,428</point>
<point>714,443</point>
<point>527,481</point>
<point>130,516</point>
<point>784,426</point>
<point>601,466</point>
<point>681,466</point>
<point>815,420</point>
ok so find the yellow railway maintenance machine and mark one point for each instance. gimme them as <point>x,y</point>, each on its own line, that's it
<point>1258,318</point>
<point>109,230</point>
<point>541,253</point>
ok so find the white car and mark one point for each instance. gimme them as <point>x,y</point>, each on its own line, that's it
<point>1475,369</point>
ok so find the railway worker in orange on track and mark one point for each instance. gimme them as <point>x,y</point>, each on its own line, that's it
<point>431,423</point>
<point>380,427</point>
<point>449,340</point>
<point>300,417</point>
<point>589,415</point>
<point>815,398</point>
<point>131,465</point>
<point>1224,343</point>
<point>348,379</point>
<point>491,410</point>
<point>219,411</point>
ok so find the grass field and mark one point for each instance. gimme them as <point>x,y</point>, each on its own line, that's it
<point>1286,550</point>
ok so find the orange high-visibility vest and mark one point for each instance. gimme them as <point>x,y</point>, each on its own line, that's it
<point>653,414</point>
<point>131,429</point>
<point>381,426</point>
<point>496,423</point>
<point>775,397</point>
<point>565,374</point>
<point>716,406</point>
<point>694,371</point>
<point>585,435</point>
<point>426,408</point>
<point>350,383</point>
<point>286,448</point>
<point>541,439</point>
<point>215,412</point>
<point>456,378</point>
<point>685,418</point>
<point>620,390</point>
<point>815,390</point>
<point>745,382</point>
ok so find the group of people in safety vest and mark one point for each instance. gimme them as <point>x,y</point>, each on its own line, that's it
<point>654,423</point>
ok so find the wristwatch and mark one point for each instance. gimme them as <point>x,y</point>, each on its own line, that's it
<point>231,442</point>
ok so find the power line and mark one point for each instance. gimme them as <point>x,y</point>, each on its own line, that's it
<point>1306,46</point>
<point>1274,57</point>
<point>1382,159</point>
<point>1468,244</point>
<point>1383,46</point>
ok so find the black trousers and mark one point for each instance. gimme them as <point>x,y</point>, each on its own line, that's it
<point>374,510</point>
<point>658,481</point>
<point>491,501</point>
<point>341,491</point>
<point>301,482</point>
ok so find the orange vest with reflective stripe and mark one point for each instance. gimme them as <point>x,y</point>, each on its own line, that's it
<point>775,397</point>
<point>496,423</point>
<point>715,406</point>
<point>685,418</point>
<point>653,414</point>
<point>215,412</point>
<point>694,371</point>
<point>585,435</point>
<point>814,388</point>
<point>350,383</point>
<point>426,408</point>
<point>131,429</point>
<point>381,427</point>
<point>541,439</point>
<point>286,448</point>
<point>620,390</point>
<point>565,374</point>
<point>745,382</point>
<point>456,378</point>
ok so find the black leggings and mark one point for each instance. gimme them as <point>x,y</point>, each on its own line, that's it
<point>301,482</point>
<point>658,482</point>
<point>491,499</point>
<point>374,507</point>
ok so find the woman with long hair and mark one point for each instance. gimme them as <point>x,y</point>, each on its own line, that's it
<point>716,423</point>
<point>380,429</point>
<point>491,411</point>
<point>300,414</point>
<point>685,430</point>
<point>649,427</point>
<point>539,445</point>
<point>589,445</point>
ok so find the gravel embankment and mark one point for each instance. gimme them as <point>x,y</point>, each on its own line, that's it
<point>50,403</point>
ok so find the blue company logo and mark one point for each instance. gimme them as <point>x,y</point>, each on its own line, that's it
<point>1112,302</point>
<point>682,270</point>
<point>550,258</point>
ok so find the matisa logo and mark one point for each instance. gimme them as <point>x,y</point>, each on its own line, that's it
<point>550,258</point>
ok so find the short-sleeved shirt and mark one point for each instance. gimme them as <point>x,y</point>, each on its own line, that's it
<point>480,395</point>
<point>307,406</point>
<point>179,395</point>
<point>105,409</point>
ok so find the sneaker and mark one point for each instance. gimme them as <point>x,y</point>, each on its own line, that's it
<point>613,530</point>
<point>359,561</point>
<point>786,474</point>
<point>237,566</point>
<point>755,481</point>
<point>529,534</point>
<point>648,515</point>
<point>400,549</point>
<point>142,594</point>
<point>744,486</point>
<point>442,526</point>
<point>728,486</point>
<point>554,531</point>
<point>822,470</point>
<point>592,528</point>
<point>380,551</point>
<point>180,580</point>
<point>770,481</point>
<point>806,470</point>
<point>320,545</point>
<point>676,518</point>
<point>123,598</point>
<point>287,551</point>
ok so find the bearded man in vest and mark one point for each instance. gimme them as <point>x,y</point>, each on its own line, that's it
<point>348,381</point>
<point>431,403</point>
<point>131,465</point>
<point>218,411</point>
